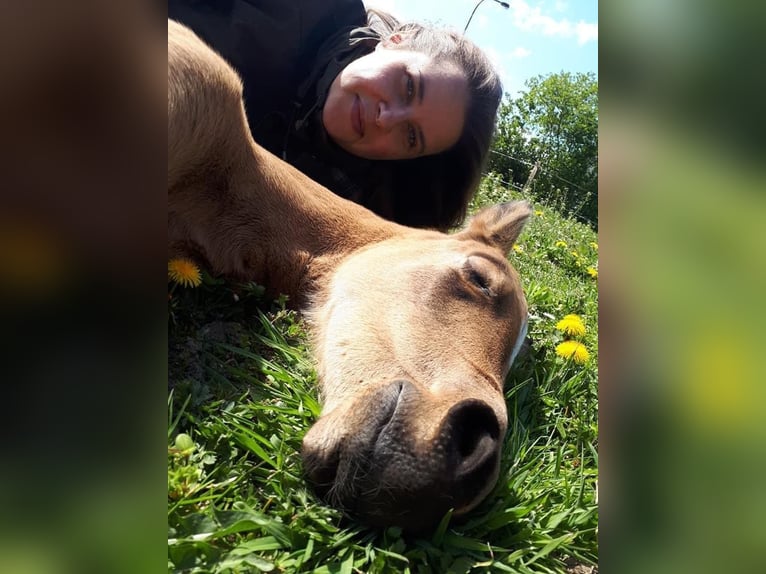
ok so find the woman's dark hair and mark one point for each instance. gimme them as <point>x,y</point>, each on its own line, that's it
<point>434,191</point>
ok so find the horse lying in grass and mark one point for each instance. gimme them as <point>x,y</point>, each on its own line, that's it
<point>414,331</point>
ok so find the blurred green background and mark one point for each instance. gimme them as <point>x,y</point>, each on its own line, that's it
<point>682,209</point>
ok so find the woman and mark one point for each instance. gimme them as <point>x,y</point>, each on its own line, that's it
<point>398,118</point>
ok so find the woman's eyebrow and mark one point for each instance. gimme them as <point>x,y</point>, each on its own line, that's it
<point>421,84</point>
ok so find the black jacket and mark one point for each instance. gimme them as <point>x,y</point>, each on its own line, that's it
<point>288,52</point>
<point>274,46</point>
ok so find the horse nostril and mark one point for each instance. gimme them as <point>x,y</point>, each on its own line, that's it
<point>474,437</point>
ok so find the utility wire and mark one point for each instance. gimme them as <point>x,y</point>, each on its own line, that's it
<point>512,185</point>
<point>501,180</point>
<point>545,169</point>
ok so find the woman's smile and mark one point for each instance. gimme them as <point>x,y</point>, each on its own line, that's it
<point>357,115</point>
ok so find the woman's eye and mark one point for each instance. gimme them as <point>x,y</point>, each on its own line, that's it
<point>412,138</point>
<point>412,135</point>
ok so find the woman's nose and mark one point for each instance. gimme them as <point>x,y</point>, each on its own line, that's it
<point>390,115</point>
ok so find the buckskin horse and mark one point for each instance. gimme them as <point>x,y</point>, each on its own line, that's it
<point>414,331</point>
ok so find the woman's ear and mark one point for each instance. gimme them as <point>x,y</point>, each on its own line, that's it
<point>390,41</point>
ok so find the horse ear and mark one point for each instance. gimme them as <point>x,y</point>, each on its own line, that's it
<point>499,224</point>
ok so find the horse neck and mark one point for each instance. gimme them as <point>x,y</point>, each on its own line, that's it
<point>287,232</point>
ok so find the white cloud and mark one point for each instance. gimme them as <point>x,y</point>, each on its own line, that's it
<point>586,32</point>
<point>520,52</point>
<point>532,19</point>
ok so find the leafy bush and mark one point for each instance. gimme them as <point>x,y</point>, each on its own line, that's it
<point>554,124</point>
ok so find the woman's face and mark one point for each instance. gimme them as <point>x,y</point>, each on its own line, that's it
<point>396,104</point>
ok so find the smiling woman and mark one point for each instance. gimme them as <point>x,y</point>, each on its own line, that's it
<point>392,104</point>
<point>396,117</point>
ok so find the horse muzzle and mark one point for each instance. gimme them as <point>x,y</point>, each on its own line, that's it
<point>383,470</point>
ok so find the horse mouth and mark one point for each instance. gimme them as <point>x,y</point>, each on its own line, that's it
<point>334,473</point>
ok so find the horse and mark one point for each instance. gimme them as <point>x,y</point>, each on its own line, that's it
<point>413,330</point>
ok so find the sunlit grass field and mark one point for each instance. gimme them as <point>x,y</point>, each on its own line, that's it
<point>243,392</point>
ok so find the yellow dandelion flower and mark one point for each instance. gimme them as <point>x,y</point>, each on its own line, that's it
<point>184,272</point>
<point>594,245</point>
<point>573,350</point>
<point>518,249</point>
<point>575,254</point>
<point>561,244</point>
<point>539,213</point>
<point>572,325</point>
<point>593,272</point>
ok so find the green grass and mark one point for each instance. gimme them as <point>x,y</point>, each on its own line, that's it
<point>243,393</point>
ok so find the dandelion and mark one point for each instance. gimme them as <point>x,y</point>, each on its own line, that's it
<point>572,325</point>
<point>539,213</point>
<point>518,249</point>
<point>184,272</point>
<point>561,244</point>
<point>593,272</point>
<point>594,245</point>
<point>573,350</point>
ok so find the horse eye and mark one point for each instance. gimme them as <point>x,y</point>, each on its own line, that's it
<point>479,280</point>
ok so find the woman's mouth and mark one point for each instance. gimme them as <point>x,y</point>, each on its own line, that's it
<point>356,117</point>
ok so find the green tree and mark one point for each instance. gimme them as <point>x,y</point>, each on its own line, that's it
<point>553,123</point>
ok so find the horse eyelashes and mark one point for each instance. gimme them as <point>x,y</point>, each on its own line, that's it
<point>480,281</point>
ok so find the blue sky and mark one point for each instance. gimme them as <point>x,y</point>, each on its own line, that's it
<point>531,37</point>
